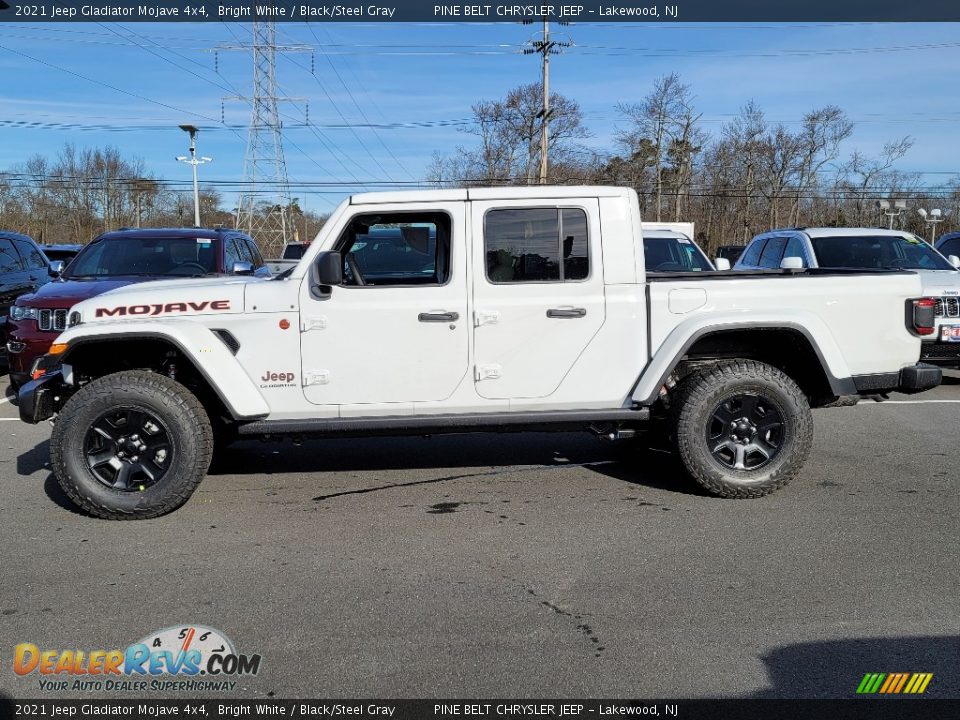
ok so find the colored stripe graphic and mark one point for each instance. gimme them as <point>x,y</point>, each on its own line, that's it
<point>894,683</point>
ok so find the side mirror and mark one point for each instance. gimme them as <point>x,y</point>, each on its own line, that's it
<point>721,264</point>
<point>328,269</point>
<point>57,266</point>
<point>242,267</point>
<point>792,263</point>
<point>955,261</point>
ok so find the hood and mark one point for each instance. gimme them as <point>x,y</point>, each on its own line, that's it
<point>167,299</point>
<point>67,293</point>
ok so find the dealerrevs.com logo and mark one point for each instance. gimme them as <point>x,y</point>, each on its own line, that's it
<point>190,658</point>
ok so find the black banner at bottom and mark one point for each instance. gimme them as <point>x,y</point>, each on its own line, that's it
<point>853,709</point>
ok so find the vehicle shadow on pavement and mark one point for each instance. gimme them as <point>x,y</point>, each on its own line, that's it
<point>411,453</point>
<point>37,460</point>
<point>34,460</point>
<point>628,462</point>
<point>835,668</point>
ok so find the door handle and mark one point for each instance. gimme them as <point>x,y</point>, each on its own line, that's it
<point>566,312</point>
<point>441,317</point>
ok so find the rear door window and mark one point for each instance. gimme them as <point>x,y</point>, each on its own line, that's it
<point>536,245</point>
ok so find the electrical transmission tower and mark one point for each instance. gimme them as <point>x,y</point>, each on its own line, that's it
<point>263,210</point>
<point>545,47</point>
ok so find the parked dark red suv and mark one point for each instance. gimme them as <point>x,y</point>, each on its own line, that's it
<point>115,259</point>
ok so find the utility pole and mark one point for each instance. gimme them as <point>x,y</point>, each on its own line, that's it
<point>264,165</point>
<point>193,161</point>
<point>546,47</point>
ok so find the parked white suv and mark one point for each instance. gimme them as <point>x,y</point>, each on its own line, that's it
<point>871,249</point>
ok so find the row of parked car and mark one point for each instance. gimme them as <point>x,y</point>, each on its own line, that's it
<point>39,285</point>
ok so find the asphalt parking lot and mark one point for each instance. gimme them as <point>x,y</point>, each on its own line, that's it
<point>515,565</point>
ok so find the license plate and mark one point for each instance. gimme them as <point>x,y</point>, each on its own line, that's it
<point>950,333</point>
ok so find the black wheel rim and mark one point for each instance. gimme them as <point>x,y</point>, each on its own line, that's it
<point>745,432</point>
<point>128,449</point>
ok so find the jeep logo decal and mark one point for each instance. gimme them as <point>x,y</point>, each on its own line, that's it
<point>272,379</point>
<point>177,307</point>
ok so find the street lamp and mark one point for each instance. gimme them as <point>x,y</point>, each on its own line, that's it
<point>194,161</point>
<point>891,211</point>
<point>931,218</point>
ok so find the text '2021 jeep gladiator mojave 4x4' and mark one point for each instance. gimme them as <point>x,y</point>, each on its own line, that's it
<point>461,311</point>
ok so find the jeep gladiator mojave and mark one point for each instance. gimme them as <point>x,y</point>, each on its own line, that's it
<point>499,309</point>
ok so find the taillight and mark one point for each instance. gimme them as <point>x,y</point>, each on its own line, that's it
<point>925,316</point>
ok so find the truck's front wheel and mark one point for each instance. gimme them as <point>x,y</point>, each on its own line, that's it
<point>131,445</point>
<point>743,428</point>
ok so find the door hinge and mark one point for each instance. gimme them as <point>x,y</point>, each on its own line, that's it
<point>487,372</point>
<point>485,317</point>
<point>315,323</point>
<point>316,377</point>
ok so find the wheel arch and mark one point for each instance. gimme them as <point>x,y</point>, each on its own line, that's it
<point>210,362</point>
<point>789,346</point>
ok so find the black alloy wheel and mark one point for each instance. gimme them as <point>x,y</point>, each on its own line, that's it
<point>128,449</point>
<point>745,432</point>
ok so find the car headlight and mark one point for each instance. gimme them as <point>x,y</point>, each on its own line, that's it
<point>18,312</point>
<point>75,319</point>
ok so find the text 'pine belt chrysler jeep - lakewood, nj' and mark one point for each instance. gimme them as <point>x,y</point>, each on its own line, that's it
<point>497,309</point>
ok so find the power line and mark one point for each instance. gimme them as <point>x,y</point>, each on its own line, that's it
<point>357,105</point>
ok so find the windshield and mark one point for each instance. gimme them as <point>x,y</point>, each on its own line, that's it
<point>877,251</point>
<point>176,257</point>
<point>673,255</point>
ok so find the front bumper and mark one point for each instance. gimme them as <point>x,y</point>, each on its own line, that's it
<point>40,399</point>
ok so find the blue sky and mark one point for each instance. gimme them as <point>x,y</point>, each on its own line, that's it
<point>892,79</point>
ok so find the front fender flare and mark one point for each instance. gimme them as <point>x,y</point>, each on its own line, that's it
<point>197,342</point>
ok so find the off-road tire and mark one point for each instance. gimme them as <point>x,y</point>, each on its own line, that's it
<point>703,392</point>
<point>188,429</point>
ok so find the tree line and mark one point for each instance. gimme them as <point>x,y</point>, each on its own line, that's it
<point>749,176</point>
<point>80,193</point>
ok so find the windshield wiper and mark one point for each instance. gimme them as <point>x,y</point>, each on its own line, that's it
<point>285,274</point>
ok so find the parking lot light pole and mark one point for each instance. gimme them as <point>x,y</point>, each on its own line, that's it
<point>892,210</point>
<point>931,218</point>
<point>194,161</point>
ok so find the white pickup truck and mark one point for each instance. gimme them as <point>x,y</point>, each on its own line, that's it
<point>498,309</point>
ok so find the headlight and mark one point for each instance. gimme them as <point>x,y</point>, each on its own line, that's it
<point>75,319</point>
<point>18,312</point>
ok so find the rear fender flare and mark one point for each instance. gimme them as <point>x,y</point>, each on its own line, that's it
<point>678,343</point>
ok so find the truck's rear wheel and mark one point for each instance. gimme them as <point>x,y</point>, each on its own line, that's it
<point>131,445</point>
<point>743,428</point>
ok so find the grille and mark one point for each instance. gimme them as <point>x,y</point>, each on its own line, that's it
<point>52,320</point>
<point>941,351</point>
<point>948,307</point>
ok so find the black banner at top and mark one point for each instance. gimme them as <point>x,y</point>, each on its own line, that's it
<point>580,11</point>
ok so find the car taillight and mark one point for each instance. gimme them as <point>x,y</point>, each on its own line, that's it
<point>925,316</point>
